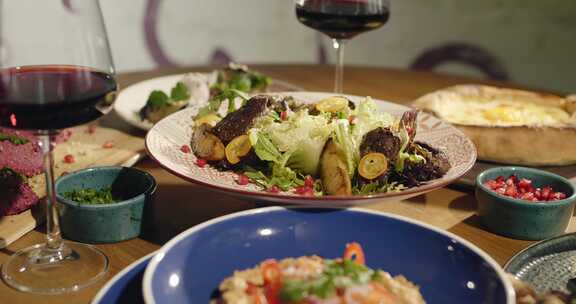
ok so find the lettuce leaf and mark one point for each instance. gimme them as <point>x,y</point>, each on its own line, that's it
<point>281,176</point>
<point>301,139</point>
<point>368,118</point>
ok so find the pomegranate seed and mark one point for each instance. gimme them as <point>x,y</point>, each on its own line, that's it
<point>308,192</point>
<point>510,181</point>
<point>91,129</point>
<point>491,184</point>
<point>524,183</point>
<point>309,181</point>
<point>201,162</point>
<point>500,178</point>
<point>500,190</point>
<point>304,191</point>
<point>528,196</point>
<point>538,194</point>
<point>69,159</point>
<point>283,115</point>
<point>546,192</point>
<point>273,189</point>
<point>511,191</point>
<point>352,119</point>
<point>185,149</point>
<point>243,179</point>
<point>109,144</point>
<point>558,196</point>
<point>301,190</point>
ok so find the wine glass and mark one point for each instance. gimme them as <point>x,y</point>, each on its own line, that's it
<point>342,20</point>
<point>56,71</point>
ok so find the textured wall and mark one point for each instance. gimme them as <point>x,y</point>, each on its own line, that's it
<point>532,42</point>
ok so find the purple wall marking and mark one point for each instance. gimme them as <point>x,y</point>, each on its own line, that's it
<point>467,54</point>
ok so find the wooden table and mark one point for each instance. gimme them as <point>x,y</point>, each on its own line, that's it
<point>181,205</point>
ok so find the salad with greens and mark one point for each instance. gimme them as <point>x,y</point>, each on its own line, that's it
<point>330,147</point>
<point>223,85</point>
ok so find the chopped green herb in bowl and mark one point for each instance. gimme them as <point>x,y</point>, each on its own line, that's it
<point>91,196</point>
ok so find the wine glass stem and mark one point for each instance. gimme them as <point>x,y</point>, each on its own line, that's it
<point>338,45</point>
<point>53,237</point>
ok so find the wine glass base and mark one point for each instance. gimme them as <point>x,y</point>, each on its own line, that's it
<point>38,269</point>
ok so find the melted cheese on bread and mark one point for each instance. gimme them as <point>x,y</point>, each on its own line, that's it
<point>468,110</point>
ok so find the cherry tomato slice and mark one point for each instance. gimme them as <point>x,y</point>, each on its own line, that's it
<point>272,275</point>
<point>354,250</point>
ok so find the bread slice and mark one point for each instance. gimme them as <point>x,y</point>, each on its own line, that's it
<point>507,125</point>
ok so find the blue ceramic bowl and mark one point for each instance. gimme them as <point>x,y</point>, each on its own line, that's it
<point>521,219</point>
<point>448,269</point>
<point>110,222</point>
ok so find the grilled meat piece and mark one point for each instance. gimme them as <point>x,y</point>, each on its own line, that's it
<point>381,140</point>
<point>239,122</point>
<point>436,165</point>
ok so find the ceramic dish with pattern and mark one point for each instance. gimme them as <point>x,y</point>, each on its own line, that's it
<point>165,140</point>
<point>547,265</point>
<point>133,98</point>
<point>447,269</point>
<point>125,286</point>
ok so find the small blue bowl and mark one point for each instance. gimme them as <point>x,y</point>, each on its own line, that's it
<point>521,219</point>
<point>106,223</point>
<point>448,269</point>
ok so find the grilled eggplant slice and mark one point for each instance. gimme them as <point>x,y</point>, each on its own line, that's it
<point>334,172</point>
<point>206,145</point>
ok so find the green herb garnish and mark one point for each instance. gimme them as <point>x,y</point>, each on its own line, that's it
<point>91,196</point>
<point>159,99</point>
<point>179,92</point>
<point>337,273</point>
<point>13,139</point>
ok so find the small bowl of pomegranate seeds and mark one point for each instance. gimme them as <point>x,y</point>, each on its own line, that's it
<point>524,203</point>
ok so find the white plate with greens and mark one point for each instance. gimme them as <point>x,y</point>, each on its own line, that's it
<point>193,92</point>
<point>165,141</point>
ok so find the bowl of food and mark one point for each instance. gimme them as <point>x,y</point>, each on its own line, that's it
<point>524,203</point>
<point>104,204</point>
<point>321,255</point>
<point>311,148</point>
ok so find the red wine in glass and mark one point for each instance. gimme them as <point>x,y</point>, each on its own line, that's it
<point>59,75</point>
<point>53,96</point>
<point>342,19</point>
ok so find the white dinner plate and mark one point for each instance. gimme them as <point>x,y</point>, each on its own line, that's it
<point>133,98</point>
<point>165,139</point>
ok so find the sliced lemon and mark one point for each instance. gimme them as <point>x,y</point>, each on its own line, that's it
<point>332,104</point>
<point>372,165</point>
<point>238,147</point>
<point>210,119</point>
